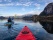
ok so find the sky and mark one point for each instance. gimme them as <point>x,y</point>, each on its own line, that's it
<point>22,7</point>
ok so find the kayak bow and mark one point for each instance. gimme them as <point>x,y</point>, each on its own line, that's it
<point>25,34</point>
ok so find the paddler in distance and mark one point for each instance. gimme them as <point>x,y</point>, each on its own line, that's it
<point>9,19</point>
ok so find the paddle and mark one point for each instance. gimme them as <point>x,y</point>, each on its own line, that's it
<point>7,25</point>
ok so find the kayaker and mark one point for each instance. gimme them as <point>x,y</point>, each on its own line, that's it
<point>9,19</point>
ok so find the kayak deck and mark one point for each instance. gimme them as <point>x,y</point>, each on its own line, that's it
<point>25,34</point>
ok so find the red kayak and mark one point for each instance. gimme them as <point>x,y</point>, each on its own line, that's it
<point>25,34</point>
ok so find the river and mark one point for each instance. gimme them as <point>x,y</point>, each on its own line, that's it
<point>36,28</point>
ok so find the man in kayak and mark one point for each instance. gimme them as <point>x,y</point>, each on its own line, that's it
<point>9,19</point>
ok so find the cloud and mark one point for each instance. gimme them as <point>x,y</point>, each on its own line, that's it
<point>7,0</point>
<point>37,5</point>
<point>24,4</point>
<point>18,14</point>
<point>24,1</point>
<point>34,12</point>
<point>16,4</point>
<point>12,14</point>
<point>45,1</point>
<point>27,4</point>
<point>8,4</point>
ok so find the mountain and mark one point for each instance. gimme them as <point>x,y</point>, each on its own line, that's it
<point>1,17</point>
<point>48,10</point>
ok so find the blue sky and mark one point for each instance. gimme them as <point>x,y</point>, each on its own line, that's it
<point>22,7</point>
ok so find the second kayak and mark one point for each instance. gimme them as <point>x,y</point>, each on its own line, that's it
<point>9,23</point>
<point>25,34</point>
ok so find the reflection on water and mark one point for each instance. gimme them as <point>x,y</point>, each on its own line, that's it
<point>37,29</point>
<point>48,26</point>
<point>9,27</point>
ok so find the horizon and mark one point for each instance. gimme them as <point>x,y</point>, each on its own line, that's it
<point>22,7</point>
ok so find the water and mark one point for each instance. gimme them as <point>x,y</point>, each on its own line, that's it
<point>37,29</point>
